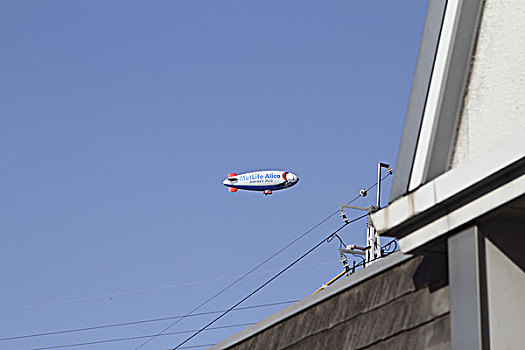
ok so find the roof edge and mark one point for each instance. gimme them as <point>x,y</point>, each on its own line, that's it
<point>451,191</point>
<point>358,277</point>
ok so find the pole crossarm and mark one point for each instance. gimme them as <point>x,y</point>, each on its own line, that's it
<point>372,251</point>
<point>341,206</point>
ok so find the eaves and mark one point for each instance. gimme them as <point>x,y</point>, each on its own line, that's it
<point>456,197</point>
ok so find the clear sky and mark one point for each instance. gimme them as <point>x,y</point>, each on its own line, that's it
<point>120,119</point>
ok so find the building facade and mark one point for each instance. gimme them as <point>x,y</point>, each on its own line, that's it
<point>457,206</point>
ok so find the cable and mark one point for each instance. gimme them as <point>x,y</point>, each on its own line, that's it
<point>136,337</point>
<point>385,254</point>
<point>341,242</point>
<point>346,271</point>
<point>170,317</point>
<point>237,280</point>
<point>262,263</point>
<point>341,274</point>
<point>141,321</point>
<point>191,313</point>
<point>270,280</point>
<point>68,301</point>
<point>151,289</point>
<point>245,275</point>
<point>330,282</point>
<point>387,248</point>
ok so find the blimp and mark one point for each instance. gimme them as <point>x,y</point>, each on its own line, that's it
<point>265,181</point>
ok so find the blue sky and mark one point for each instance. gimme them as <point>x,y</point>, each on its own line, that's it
<point>120,119</point>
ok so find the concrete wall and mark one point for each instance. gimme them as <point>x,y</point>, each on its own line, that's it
<point>406,307</point>
<point>494,106</point>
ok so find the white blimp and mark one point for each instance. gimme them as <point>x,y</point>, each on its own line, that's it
<point>265,180</point>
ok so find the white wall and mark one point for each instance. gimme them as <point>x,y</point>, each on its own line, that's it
<point>506,304</point>
<point>494,106</point>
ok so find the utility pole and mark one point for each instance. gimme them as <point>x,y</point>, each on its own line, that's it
<point>372,251</point>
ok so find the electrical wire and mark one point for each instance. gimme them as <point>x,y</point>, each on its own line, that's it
<point>176,317</point>
<point>182,284</point>
<point>141,321</point>
<point>384,255</point>
<point>127,292</point>
<point>238,280</point>
<point>264,262</point>
<point>224,312</point>
<point>136,337</point>
<point>269,281</point>
<point>347,269</point>
<point>249,272</point>
<point>169,317</point>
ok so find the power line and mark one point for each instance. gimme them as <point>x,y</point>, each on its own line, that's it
<point>241,277</point>
<point>141,321</point>
<point>326,239</point>
<point>385,254</point>
<point>224,312</point>
<point>269,281</point>
<point>262,263</point>
<point>126,292</point>
<point>136,337</point>
<point>172,317</point>
<point>182,284</point>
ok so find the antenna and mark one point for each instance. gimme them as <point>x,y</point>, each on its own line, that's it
<point>372,251</point>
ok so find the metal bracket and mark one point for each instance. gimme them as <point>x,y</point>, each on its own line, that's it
<point>371,209</point>
<point>353,249</point>
<point>373,249</point>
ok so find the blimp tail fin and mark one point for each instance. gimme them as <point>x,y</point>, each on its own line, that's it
<point>232,189</point>
<point>232,175</point>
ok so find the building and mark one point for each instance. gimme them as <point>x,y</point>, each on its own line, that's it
<point>457,206</point>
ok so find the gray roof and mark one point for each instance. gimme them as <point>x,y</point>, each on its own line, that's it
<point>308,302</point>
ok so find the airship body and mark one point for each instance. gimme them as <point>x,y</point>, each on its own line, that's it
<point>265,181</point>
